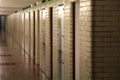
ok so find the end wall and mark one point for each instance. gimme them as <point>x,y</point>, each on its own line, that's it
<point>106,36</point>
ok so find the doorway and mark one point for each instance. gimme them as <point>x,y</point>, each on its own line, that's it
<point>2,22</point>
<point>73,26</point>
<point>34,37</point>
<point>51,40</point>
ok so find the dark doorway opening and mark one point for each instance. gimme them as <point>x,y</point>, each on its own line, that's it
<point>51,36</point>
<point>2,22</point>
<point>34,37</point>
<point>73,19</point>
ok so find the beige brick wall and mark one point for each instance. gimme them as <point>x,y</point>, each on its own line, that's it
<point>37,54</point>
<point>20,32</point>
<point>106,17</point>
<point>26,32</point>
<point>85,40</point>
<point>48,42</point>
<point>55,46</point>
<point>23,30</point>
<point>41,62</point>
<point>31,34</point>
<point>41,44</point>
<point>17,32</point>
<point>68,43</point>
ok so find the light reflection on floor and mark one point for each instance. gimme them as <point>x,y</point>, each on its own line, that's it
<point>14,66</point>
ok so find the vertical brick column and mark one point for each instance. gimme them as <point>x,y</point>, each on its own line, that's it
<point>106,36</point>
<point>48,43</point>
<point>31,34</point>
<point>36,36</point>
<point>68,42</point>
<point>41,49</point>
<point>17,31</point>
<point>55,44</point>
<point>23,32</point>
<point>27,32</point>
<point>20,33</point>
<point>41,41</point>
<point>85,40</point>
<point>14,29</point>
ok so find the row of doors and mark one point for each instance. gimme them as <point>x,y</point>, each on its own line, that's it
<point>31,41</point>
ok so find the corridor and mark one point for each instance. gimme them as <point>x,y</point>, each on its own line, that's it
<point>60,40</point>
<point>13,65</point>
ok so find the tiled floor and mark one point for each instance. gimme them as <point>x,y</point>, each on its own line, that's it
<point>14,66</point>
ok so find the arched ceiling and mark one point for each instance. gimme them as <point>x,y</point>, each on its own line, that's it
<point>9,6</point>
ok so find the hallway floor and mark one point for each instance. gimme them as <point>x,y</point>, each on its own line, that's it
<point>14,66</point>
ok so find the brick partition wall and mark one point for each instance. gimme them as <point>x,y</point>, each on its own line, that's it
<point>37,36</point>
<point>26,32</point>
<point>68,42</point>
<point>48,43</point>
<point>31,34</point>
<point>55,46</point>
<point>106,39</point>
<point>85,33</point>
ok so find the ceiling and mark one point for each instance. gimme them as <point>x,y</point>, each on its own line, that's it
<point>9,6</point>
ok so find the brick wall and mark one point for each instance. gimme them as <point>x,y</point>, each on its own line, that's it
<point>48,42</point>
<point>106,36</point>
<point>22,33</point>
<point>26,32</point>
<point>31,34</point>
<point>37,36</point>
<point>85,40</point>
<point>41,42</point>
<point>68,42</point>
<point>55,46</point>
